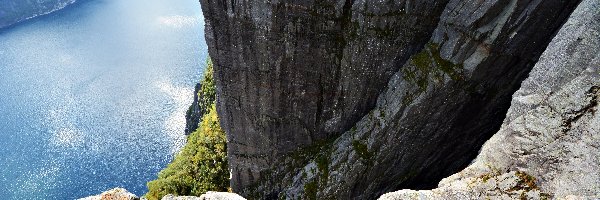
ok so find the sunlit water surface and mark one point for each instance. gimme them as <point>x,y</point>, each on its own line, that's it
<point>93,96</point>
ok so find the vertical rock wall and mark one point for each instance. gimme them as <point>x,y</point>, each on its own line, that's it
<point>290,73</point>
<point>548,144</point>
<point>413,102</point>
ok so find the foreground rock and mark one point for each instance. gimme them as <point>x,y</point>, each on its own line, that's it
<point>123,194</point>
<point>549,144</point>
<point>207,196</point>
<point>114,194</point>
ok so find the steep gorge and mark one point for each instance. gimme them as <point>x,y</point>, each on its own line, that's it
<point>352,99</point>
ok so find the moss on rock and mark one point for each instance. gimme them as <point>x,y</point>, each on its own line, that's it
<point>362,150</point>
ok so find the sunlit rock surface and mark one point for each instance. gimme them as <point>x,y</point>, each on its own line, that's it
<point>123,194</point>
<point>114,194</point>
<point>207,196</point>
<point>549,144</point>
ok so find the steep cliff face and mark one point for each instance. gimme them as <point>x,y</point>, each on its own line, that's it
<point>290,73</point>
<point>549,143</point>
<point>378,95</point>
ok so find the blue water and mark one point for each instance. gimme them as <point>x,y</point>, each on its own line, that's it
<point>93,96</point>
<point>13,11</point>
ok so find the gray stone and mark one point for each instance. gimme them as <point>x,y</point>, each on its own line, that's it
<point>113,194</point>
<point>356,88</point>
<point>194,113</point>
<point>207,196</point>
<point>551,133</point>
<point>437,110</point>
<point>291,73</point>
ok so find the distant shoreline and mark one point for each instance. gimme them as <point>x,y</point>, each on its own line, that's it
<point>35,13</point>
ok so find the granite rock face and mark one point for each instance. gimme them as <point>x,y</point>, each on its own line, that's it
<point>352,99</point>
<point>290,73</point>
<point>207,196</point>
<point>548,146</point>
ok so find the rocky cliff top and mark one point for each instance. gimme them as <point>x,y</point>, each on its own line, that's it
<point>548,146</point>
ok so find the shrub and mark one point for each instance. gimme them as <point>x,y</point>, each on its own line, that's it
<point>201,165</point>
<point>207,93</point>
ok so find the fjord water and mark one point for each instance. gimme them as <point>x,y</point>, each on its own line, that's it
<point>93,96</point>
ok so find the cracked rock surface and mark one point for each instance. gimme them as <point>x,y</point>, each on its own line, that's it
<point>353,99</point>
<point>292,73</point>
<point>436,111</point>
<point>549,143</point>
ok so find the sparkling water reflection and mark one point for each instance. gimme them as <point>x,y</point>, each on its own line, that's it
<point>93,97</point>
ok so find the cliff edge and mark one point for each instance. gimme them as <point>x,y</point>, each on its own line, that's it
<point>548,146</point>
<point>353,99</point>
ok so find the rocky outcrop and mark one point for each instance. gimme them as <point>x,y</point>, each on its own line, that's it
<point>194,113</point>
<point>204,98</point>
<point>114,194</point>
<point>548,146</point>
<point>207,196</point>
<point>123,194</point>
<point>377,97</point>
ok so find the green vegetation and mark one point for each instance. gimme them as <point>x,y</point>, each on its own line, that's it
<point>361,149</point>
<point>202,164</point>
<point>207,93</point>
<point>429,67</point>
<point>310,190</point>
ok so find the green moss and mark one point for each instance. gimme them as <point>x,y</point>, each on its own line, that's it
<point>449,68</point>
<point>320,153</point>
<point>310,190</point>
<point>362,150</point>
<point>428,66</point>
<point>353,129</point>
<point>323,165</point>
<point>303,155</point>
<point>201,165</point>
<point>422,62</point>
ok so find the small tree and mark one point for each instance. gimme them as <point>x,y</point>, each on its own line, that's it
<point>201,165</point>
